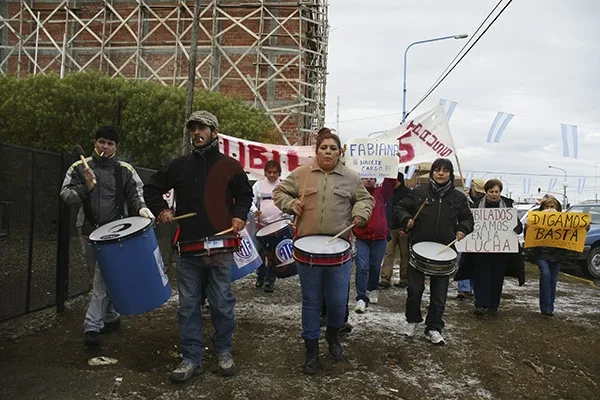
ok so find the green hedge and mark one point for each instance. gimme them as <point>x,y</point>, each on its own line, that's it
<point>50,113</point>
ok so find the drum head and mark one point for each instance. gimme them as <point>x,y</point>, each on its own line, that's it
<point>319,244</point>
<point>273,227</point>
<point>120,229</point>
<point>430,250</point>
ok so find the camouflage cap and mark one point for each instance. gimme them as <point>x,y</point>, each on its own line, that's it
<point>203,117</point>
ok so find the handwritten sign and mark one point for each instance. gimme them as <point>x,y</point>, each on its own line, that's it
<point>493,232</point>
<point>373,158</point>
<point>564,230</point>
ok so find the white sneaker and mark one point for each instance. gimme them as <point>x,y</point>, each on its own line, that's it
<point>361,306</point>
<point>373,296</point>
<point>435,337</point>
<point>411,329</point>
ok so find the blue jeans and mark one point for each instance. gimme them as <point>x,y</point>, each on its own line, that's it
<point>465,286</point>
<point>316,284</point>
<point>548,278</point>
<point>368,266</point>
<point>438,287</point>
<point>267,269</point>
<point>197,278</point>
<point>488,279</point>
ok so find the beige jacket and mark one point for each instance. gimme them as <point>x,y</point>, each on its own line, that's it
<point>331,200</point>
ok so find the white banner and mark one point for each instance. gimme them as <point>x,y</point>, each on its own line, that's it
<point>422,139</point>
<point>254,155</point>
<point>493,232</point>
<point>371,157</point>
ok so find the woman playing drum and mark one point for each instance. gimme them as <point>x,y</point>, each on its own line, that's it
<point>327,197</point>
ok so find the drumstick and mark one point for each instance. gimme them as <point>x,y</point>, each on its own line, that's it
<point>341,233</point>
<point>79,152</point>
<point>225,231</point>
<point>184,216</point>
<point>448,245</point>
<point>303,193</point>
<point>419,210</point>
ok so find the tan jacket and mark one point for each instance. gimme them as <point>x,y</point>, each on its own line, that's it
<point>331,200</point>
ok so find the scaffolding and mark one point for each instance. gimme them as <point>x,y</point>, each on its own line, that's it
<point>271,54</point>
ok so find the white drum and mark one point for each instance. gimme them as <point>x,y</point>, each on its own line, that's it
<point>317,251</point>
<point>429,258</point>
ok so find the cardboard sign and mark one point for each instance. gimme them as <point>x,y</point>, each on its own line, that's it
<point>373,157</point>
<point>564,230</point>
<point>493,232</point>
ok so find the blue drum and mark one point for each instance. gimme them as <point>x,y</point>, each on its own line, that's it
<point>276,238</point>
<point>131,264</point>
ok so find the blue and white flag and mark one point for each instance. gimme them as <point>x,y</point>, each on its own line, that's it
<point>499,126</point>
<point>246,259</point>
<point>551,184</point>
<point>526,185</point>
<point>580,185</point>
<point>570,140</point>
<point>449,107</point>
<point>410,172</point>
<point>468,179</point>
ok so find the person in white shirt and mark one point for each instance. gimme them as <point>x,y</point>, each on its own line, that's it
<point>265,212</point>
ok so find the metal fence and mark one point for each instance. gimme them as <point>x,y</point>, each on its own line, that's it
<point>41,263</point>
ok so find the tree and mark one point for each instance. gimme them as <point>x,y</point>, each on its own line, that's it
<point>46,112</point>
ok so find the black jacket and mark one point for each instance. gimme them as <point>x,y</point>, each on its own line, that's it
<point>213,185</point>
<point>439,219</point>
<point>399,193</point>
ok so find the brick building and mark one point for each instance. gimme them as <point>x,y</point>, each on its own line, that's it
<point>269,53</point>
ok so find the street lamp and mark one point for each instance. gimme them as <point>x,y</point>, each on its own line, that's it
<point>565,185</point>
<point>461,36</point>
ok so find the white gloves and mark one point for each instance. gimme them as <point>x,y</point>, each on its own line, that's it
<point>146,213</point>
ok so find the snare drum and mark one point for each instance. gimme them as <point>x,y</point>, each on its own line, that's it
<point>317,251</point>
<point>276,238</point>
<point>210,245</point>
<point>424,257</point>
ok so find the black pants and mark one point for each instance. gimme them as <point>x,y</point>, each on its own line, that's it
<point>438,286</point>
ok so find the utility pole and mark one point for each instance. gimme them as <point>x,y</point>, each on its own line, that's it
<point>189,99</point>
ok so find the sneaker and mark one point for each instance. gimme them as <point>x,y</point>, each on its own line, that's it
<point>493,312</point>
<point>461,296</point>
<point>478,311</point>
<point>361,306</point>
<point>401,285</point>
<point>435,337</point>
<point>269,288</point>
<point>411,329</point>
<point>548,313</point>
<point>259,282</point>
<point>185,370</point>
<point>111,326</point>
<point>373,296</point>
<point>226,364</point>
<point>91,338</point>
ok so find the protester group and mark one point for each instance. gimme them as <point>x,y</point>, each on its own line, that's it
<point>317,222</point>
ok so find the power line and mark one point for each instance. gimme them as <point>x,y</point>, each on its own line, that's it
<point>440,80</point>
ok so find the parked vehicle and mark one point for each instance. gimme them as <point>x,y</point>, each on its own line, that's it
<point>589,259</point>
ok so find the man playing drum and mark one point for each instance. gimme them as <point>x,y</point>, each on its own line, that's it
<point>216,188</point>
<point>444,217</point>
<point>103,185</point>
<point>266,212</point>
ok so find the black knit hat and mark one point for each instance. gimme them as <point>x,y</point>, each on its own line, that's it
<point>108,132</point>
<point>442,163</point>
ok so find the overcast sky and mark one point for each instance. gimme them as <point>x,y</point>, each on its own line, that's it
<point>539,61</point>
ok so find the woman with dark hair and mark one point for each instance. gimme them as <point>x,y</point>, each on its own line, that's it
<point>327,197</point>
<point>489,268</point>
<point>548,261</point>
<point>445,217</point>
